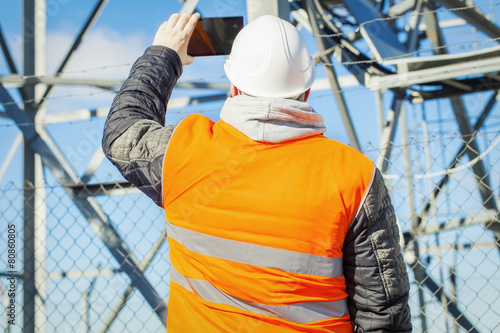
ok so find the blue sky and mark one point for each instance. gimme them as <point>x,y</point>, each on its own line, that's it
<point>121,34</point>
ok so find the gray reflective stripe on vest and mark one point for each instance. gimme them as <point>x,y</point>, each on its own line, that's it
<point>300,313</point>
<point>256,255</point>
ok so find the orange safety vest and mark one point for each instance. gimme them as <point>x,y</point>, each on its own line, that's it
<point>256,230</point>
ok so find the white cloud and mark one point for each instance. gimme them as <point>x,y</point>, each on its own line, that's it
<point>101,48</point>
<point>104,53</point>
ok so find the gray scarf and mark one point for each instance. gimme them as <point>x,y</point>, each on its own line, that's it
<point>272,119</point>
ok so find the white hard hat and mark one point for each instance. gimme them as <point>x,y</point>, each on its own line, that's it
<point>269,58</point>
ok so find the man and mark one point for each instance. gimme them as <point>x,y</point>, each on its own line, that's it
<point>272,227</point>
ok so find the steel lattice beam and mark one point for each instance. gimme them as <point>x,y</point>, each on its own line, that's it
<point>472,16</point>
<point>34,33</point>
<point>332,77</point>
<point>86,27</point>
<point>440,185</point>
<point>470,147</point>
<point>10,61</point>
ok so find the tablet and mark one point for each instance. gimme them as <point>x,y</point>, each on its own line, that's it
<point>214,36</point>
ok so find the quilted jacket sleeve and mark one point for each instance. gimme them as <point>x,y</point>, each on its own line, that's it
<point>376,277</point>
<point>135,138</point>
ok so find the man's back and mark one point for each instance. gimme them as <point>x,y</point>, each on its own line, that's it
<point>257,228</point>
<point>272,227</point>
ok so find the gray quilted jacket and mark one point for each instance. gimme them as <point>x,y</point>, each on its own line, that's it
<point>135,141</point>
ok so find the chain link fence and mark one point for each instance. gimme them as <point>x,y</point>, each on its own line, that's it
<point>448,221</point>
<point>444,191</point>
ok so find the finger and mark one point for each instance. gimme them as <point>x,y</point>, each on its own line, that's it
<point>163,26</point>
<point>172,21</point>
<point>181,23</point>
<point>189,60</point>
<point>191,25</point>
